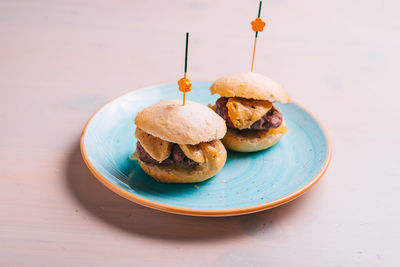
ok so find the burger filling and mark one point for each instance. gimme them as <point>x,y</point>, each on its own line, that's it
<point>177,157</point>
<point>153,150</point>
<point>242,114</point>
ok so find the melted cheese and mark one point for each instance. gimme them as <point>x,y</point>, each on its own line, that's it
<point>204,153</point>
<point>211,153</point>
<point>244,112</point>
<point>193,152</point>
<point>213,107</point>
<point>157,148</point>
<point>280,130</point>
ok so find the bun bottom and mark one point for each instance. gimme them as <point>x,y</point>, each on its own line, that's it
<point>176,174</point>
<point>252,140</point>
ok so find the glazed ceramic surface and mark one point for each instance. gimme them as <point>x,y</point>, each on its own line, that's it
<point>248,182</point>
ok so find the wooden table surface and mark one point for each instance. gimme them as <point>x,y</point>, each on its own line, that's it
<point>61,60</point>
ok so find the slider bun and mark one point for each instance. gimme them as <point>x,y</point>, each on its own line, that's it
<point>176,174</point>
<point>250,85</point>
<point>189,124</point>
<point>250,141</point>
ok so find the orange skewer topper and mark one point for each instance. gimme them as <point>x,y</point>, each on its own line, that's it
<point>258,26</point>
<point>184,83</point>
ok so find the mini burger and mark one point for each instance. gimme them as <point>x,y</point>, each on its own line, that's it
<point>246,105</point>
<point>180,143</point>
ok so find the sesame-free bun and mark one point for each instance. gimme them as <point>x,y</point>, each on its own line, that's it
<point>250,85</point>
<point>199,173</point>
<point>191,123</point>
<point>250,141</point>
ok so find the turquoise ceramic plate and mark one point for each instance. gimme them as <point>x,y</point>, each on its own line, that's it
<point>249,182</point>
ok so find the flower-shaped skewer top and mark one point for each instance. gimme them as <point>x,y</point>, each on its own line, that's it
<point>184,85</point>
<point>258,25</point>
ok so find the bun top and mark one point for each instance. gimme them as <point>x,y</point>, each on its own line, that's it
<point>250,85</point>
<point>191,124</point>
